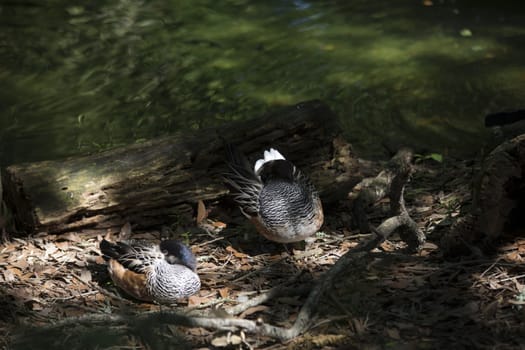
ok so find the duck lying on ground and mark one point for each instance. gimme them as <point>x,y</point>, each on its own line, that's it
<point>162,272</point>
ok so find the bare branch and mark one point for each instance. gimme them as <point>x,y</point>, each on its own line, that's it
<point>390,182</point>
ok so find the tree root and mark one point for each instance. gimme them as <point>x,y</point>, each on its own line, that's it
<point>389,183</point>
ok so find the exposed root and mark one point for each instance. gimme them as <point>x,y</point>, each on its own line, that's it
<point>389,183</point>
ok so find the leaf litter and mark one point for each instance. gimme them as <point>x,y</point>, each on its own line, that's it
<point>389,299</point>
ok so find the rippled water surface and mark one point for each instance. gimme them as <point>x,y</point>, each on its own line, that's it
<point>79,77</point>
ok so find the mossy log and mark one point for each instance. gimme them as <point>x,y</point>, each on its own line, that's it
<point>153,183</point>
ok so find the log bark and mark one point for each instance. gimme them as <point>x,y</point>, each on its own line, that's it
<point>498,204</point>
<point>154,183</point>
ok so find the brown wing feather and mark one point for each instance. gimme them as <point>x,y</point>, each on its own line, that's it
<point>131,282</point>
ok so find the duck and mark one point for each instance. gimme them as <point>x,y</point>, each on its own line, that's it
<point>274,195</point>
<point>163,272</point>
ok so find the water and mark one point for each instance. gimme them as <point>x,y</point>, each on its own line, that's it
<point>77,78</point>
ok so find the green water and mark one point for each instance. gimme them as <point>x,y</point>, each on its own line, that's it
<point>79,78</point>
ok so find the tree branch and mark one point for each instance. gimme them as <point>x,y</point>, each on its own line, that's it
<point>390,182</point>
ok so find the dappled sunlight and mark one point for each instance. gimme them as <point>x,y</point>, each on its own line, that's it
<point>124,71</point>
<point>278,97</point>
<point>82,79</point>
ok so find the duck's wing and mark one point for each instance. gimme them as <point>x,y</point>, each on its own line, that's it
<point>132,282</point>
<point>136,257</point>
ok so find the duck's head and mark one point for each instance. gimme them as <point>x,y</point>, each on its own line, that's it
<point>177,253</point>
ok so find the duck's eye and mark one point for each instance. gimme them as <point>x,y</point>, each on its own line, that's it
<point>164,251</point>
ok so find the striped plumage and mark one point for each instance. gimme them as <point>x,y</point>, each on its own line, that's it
<point>162,272</point>
<point>275,196</point>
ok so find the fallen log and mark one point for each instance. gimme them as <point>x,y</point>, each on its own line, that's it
<point>498,203</point>
<point>156,182</point>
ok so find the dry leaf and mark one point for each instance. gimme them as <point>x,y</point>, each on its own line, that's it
<point>15,271</point>
<point>49,285</point>
<point>43,269</point>
<point>8,248</point>
<point>50,248</point>
<point>393,333</point>
<point>80,262</point>
<point>196,300</point>
<point>218,224</point>
<point>125,231</point>
<point>76,285</point>
<point>13,258</point>
<point>21,264</point>
<point>325,340</point>
<point>9,276</point>
<point>36,306</point>
<point>70,236</point>
<point>513,256</point>
<point>198,332</point>
<point>62,245</point>
<point>224,292</point>
<point>85,276</point>
<point>237,254</point>
<point>60,257</point>
<point>301,254</point>
<point>246,267</point>
<point>220,342</point>
<point>253,310</point>
<point>226,340</point>
<point>202,214</point>
<point>100,297</point>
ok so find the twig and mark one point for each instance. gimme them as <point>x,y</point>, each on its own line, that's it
<point>489,268</point>
<point>390,182</point>
<point>208,304</point>
<point>359,235</point>
<point>511,278</point>
<point>210,241</point>
<point>91,292</point>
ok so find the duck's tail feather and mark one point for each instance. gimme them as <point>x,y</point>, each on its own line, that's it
<point>238,163</point>
<point>275,166</point>
<point>269,156</point>
<point>112,250</point>
<point>244,184</point>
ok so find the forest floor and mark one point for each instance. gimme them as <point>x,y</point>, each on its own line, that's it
<point>53,287</point>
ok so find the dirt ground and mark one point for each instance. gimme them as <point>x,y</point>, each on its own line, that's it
<point>53,287</point>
